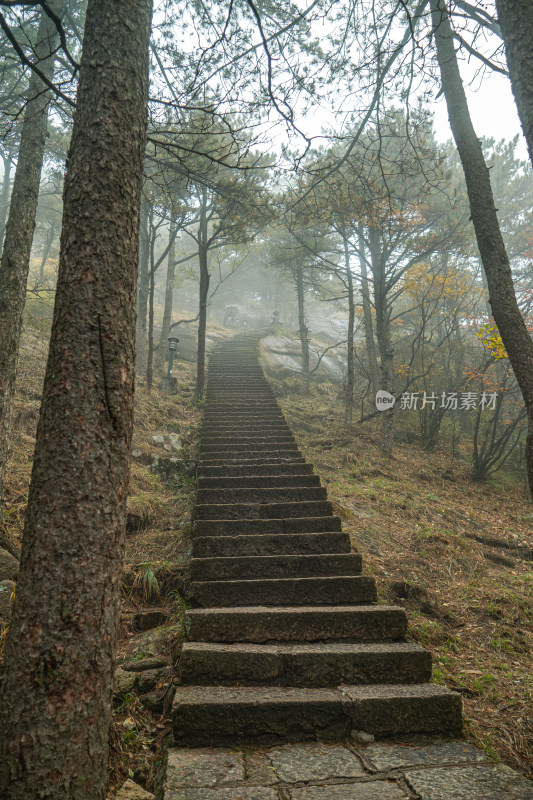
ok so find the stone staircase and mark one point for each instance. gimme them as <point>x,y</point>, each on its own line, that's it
<point>284,642</point>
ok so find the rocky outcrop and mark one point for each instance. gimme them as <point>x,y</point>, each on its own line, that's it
<point>282,358</point>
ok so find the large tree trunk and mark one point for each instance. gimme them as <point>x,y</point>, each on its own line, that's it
<point>505,310</point>
<point>56,693</point>
<point>367,316</point>
<point>204,289</point>
<point>516,23</point>
<point>350,368</point>
<point>169,293</point>
<point>143,289</point>
<point>386,350</point>
<point>15,261</point>
<point>302,328</point>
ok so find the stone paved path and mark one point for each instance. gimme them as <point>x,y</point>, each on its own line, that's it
<point>284,642</point>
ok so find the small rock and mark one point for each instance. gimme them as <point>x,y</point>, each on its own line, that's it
<point>158,440</point>
<point>136,453</point>
<point>9,566</point>
<point>128,724</point>
<point>132,791</point>
<point>175,442</point>
<point>361,737</point>
<point>6,593</point>
<point>144,663</point>
<point>167,447</point>
<point>123,682</point>
<point>148,680</point>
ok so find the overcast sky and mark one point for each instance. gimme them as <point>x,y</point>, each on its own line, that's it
<point>493,112</point>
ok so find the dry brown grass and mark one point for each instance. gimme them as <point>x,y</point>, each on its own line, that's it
<point>413,518</point>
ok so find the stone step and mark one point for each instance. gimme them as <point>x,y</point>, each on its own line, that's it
<point>246,440</point>
<point>324,591</point>
<point>254,413</point>
<point>275,566</point>
<point>241,399</point>
<point>259,481</point>
<point>250,410</point>
<point>250,494</point>
<point>309,508</point>
<point>312,665</point>
<point>252,450</point>
<point>220,715</point>
<point>262,624</point>
<point>260,469</point>
<point>235,527</point>
<point>248,462</point>
<point>270,544</point>
<point>236,419</point>
<point>235,424</point>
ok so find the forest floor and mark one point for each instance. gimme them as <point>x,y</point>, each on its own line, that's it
<point>450,551</point>
<point>426,532</point>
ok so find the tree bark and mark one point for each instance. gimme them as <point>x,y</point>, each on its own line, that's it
<point>367,317</point>
<point>516,23</point>
<point>302,328</point>
<point>386,350</point>
<point>169,293</point>
<point>56,692</point>
<point>350,368</point>
<point>141,344</point>
<point>15,262</point>
<point>203,248</point>
<point>503,303</point>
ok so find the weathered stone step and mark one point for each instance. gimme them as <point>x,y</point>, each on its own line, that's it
<point>242,401</point>
<point>283,468</point>
<point>249,451</point>
<point>232,527</point>
<point>269,426</point>
<point>251,462</point>
<point>313,665</point>
<point>270,544</point>
<point>275,566</point>
<point>255,409</point>
<point>250,494</point>
<point>309,508</point>
<point>258,447</point>
<point>247,440</point>
<point>236,418</point>
<point>262,624</point>
<point>259,481</point>
<point>220,715</point>
<point>285,591</point>
<point>233,432</point>
<point>240,387</point>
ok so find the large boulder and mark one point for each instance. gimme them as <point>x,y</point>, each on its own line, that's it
<point>282,358</point>
<point>9,566</point>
